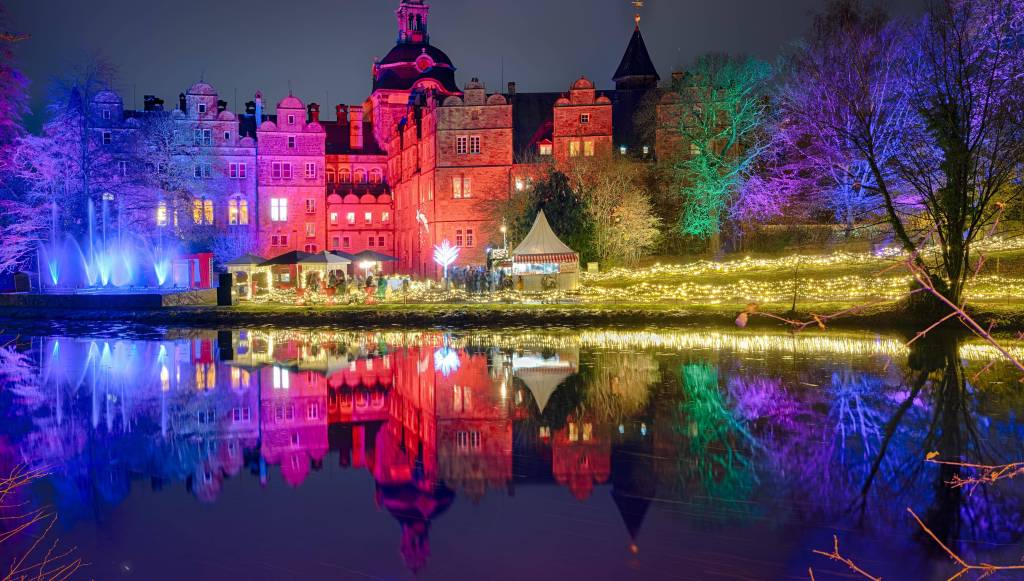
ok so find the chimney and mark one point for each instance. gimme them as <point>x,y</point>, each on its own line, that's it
<point>181,103</point>
<point>313,112</point>
<point>152,103</point>
<point>355,127</point>
<point>250,108</point>
<point>222,106</point>
<point>511,88</point>
<point>341,113</point>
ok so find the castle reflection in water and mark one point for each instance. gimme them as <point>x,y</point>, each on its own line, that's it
<point>795,428</point>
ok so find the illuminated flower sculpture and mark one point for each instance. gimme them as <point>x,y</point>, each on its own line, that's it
<point>445,255</point>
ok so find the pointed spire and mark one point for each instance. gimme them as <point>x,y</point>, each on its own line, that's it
<point>636,71</point>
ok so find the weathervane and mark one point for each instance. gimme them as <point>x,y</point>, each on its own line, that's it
<point>638,4</point>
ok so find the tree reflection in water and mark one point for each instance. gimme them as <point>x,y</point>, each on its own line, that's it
<point>753,431</point>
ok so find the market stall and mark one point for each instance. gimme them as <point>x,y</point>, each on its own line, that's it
<point>543,262</point>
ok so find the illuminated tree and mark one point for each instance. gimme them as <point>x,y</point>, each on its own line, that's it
<point>721,108</point>
<point>564,206</point>
<point>950,93</point>
<point>624,225</point>
<point>818,163</point>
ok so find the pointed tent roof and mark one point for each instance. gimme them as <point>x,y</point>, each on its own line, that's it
<point>637,61</point>
<point>246,259</point>
<point>541,240</point>
<point>543,376</point>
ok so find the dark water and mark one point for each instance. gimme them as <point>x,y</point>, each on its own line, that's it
<point>527,453</point>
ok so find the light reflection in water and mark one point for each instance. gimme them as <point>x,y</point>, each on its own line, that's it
<point>741,427</point>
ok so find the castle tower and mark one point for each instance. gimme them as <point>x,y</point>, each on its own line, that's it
<point>636,71</point>
<point>412,22</point>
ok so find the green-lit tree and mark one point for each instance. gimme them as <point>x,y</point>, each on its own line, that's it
<point>721,109</point>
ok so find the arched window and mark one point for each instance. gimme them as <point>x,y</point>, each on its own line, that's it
<point>375,176</point>
<point>360,176</point>
<point>202,211</point>
<point>330,175</point>
<point>344,176</point>
<point>238,211</point>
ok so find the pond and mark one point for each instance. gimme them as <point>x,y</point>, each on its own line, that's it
<point>690,453</point>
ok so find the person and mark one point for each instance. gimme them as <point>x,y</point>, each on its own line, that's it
<point>369,290</point>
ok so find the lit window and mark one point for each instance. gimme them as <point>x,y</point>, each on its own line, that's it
<point>588,148</point>
<point>161,214</point>
<point>310,230</point>
<point>545,148</point>
<point>360,176</point>
<point>461,187</point>
<point>238,212</point>
<point>202,211</point>
<point>345,176</point>
<point>108,138</point>
<point>520,184</point>
<point>334,217</point>
<point>310,206</point>
<point>694,149</point>
<point>310,171</point>
<point>368,217</point>
<point>350,218</point>
<point>375,176</point>
<point>646,150</point>
<point>208,211</point>
<point>280,378</point>
<point>474,144</point>
<point>574,149</point>
<point>278,210</point>
<point>584,118</point>
<point>385,217</point>
<point>461,144</point>
<point>622,150</point>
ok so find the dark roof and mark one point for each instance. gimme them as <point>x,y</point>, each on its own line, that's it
<point>247,124</point>
<point>404,77</point>
<point>407,52</point>
<point>338,142</point>
<point>636,62</point>
<point>292,257</point>
<point>246,259</point>
<point>532,121</point>
<point>371,256</point>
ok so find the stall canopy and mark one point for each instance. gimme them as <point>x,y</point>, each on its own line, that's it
<point>247,260</point>
<point>542,375</point>
<point>542,245</point>
<point>324,258</point>
<point>286,259</point>
<point>371,256</point>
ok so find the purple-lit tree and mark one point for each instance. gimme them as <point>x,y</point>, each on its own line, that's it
<point>818,163</point>
<point>949,94</point>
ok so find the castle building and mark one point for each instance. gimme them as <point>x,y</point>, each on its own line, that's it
<point>420,161</point>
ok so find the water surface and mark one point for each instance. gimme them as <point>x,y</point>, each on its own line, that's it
<point>520,453</point>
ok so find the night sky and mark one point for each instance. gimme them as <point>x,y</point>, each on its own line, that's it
<point>325,48</point>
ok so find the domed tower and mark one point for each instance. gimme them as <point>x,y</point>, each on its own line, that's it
<point>413,65</point>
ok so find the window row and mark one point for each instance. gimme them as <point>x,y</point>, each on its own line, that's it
<point>350,218</point>
<point>467,144</point>
<point>203,212</point>
<point>464,237</point>
<point>345,242</point>
<point>344,176</point>
<point>576,146</point>
<point>283,170</point>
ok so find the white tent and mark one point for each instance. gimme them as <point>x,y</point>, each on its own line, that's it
<point>542,261</point>
<point>542,241</point>
<point>543,376</point>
